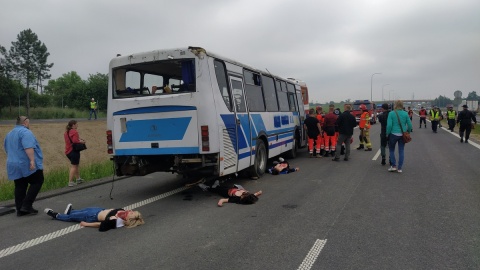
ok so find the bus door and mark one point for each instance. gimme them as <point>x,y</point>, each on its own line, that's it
<point>242,124</point>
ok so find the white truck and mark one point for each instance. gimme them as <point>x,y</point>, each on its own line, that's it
<point>472,105</point>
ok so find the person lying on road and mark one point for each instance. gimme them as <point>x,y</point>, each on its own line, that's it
<point>235,194</point>
<point>101,218</point>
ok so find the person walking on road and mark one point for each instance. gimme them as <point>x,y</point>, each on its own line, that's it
<point>383,133</point>
<point>434,118</point>
<point>93,109</point>
<point>346,122</point>
<point>466,119</point>
<point>24,165</point>
<point>71,136</point>
<point>397,120</point>
<point>313,128</point>
<point>410,114</point>
<point>451,117</point>
<point>423,117</point>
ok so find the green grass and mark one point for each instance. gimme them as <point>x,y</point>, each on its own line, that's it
<point>58,178</point>
<point>46,113</point>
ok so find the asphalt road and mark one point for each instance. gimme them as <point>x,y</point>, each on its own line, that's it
<point>329,215</point>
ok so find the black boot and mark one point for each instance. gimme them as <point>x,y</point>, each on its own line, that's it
<point>383,161</point>
<point>360,147</point>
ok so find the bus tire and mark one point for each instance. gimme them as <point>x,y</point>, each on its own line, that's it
<point>260,164</point>
<point>292,153</point>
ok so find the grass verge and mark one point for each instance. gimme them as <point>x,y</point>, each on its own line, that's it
<point>58,178</point>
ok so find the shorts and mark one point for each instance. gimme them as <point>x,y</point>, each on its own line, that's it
<point>74,157</point>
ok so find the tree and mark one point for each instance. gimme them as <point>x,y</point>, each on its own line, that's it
<point>473,96</point>
<point>442,101</point>
<point>26,61</point>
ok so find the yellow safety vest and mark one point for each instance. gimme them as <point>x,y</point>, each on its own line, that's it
<point>451,114</point>
<point>93,105</point>
<point>434,116</point>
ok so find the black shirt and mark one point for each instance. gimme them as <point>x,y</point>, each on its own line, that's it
<point>346,122</point>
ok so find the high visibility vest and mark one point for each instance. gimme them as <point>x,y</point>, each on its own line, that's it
<point>434,116</point>
<point>93,105</point>
<point>451,114</point>
<point>364,120</point>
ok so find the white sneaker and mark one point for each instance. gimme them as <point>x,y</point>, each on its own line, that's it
<point>71,184</point>
<point>399,171</point>
<point>203,186</point>
<point>79,181</point>
<point>392,169</point>
<point>216,184</point>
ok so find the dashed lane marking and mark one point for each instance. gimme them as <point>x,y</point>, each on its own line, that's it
<point>376,155</point>
<point>312,255</point>
<point>42,239</point>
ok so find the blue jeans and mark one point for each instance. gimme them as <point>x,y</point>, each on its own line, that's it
<point>89,214</point>
<point>92,111</point>
<point>391,147</point>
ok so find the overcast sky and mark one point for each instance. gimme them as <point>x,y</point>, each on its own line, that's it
<point>422,48</point>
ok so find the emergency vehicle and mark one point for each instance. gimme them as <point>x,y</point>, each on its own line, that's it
<point>356,111</point>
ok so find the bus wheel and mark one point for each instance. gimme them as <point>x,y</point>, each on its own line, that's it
<point>260,164</point>
<point>292,153</point>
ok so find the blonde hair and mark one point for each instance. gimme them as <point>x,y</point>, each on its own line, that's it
<point>134,219</point>
<point>398,105</point>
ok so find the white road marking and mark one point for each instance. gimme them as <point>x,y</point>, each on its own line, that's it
<point>28,244</point>
<point>312,255</point>
<point>376,155</point>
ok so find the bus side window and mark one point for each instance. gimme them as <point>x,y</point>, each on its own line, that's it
<point>221,74</point>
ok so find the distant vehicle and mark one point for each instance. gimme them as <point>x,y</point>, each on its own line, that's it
<point>472,105</point>
<point>356,111</point>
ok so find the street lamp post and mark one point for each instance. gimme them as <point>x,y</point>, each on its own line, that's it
<point>382,90</point>
<point>391,90</point>
<point>371,86</point>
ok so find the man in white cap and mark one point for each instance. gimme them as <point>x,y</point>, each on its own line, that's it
<point>466,119</point>
<point>93,109</point>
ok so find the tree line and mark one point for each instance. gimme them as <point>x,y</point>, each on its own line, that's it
<point>25,67</point>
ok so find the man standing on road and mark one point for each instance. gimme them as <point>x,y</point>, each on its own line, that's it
<point>383,133</point>
<point>466,119</point>
<point>312,126</point>
<point>364,126</point>
<point>451,117</point>
<point>24,165</point>
<point>329,131</point>
<point>93,109</point>
<point>346,122</point>
<point>423,117</point>
<point>434,118</point>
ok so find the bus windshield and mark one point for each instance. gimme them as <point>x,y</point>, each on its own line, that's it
<point>154,78</point>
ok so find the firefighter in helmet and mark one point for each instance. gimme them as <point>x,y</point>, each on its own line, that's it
<point>364,126</point>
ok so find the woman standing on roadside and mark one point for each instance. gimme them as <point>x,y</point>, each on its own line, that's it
<point>71,136</point>
<point>397,121</point>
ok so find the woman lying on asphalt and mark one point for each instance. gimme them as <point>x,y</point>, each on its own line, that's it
<point>101,218</point>
<point>235,194</point>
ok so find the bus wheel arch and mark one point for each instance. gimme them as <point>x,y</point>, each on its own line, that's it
<point>259,166</point>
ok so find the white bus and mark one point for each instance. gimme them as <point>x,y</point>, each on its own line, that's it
<point>192,112</point>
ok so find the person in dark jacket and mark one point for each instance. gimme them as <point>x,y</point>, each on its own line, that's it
<point>383,133</point>
<point>346,123</point>
<point>465,119</point>
<point>101,218</point>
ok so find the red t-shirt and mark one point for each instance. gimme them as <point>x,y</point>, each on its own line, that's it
<point>75,139</point>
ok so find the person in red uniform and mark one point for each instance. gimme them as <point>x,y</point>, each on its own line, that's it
<point>423,116</point>
<point>410,114</point>
<point>320,117</point>
<point>329,138</point>
<point>364,126</point>
<point>313,128</point>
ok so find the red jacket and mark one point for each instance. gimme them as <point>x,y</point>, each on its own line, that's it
<point>75,139</point>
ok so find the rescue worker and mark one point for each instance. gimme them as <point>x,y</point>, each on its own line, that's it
<point>434,118</point>
<point>466,119</point>
<point>93,109</point>
<point>320,140</point>
<point>451,117</point>
<point>423,116</point>
<point>313,128</point>
<point>328,127</point>
<point>364,126</point>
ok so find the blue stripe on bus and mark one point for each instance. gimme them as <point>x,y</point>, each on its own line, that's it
<point>258,124</point>
<point>275,145</point>
<point>166,129</point>
<point>157,151</point>
<point>155,109</point>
